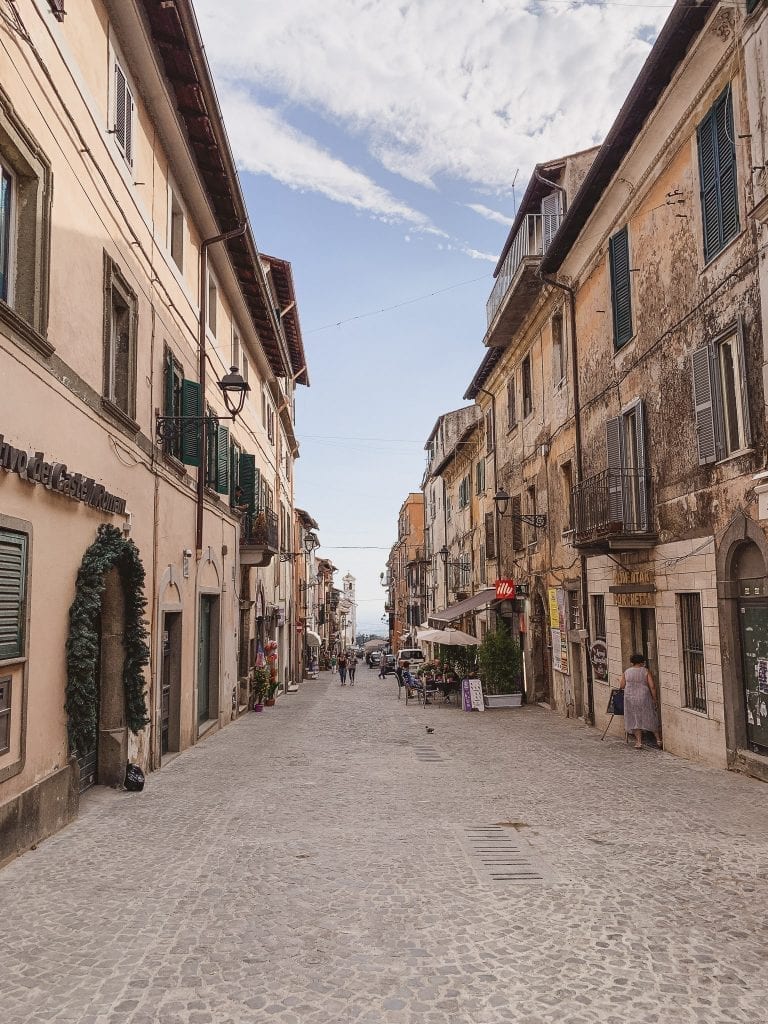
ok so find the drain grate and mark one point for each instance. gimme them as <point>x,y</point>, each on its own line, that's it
<point>498,855</point>
<point>425,753</point>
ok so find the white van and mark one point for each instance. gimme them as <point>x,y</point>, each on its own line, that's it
<point>414,655</point>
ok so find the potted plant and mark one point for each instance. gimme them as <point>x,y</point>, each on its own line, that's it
<point>260,684</point>
<point>501,661</point>
<point>269,693</point>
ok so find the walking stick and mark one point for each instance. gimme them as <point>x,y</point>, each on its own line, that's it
<point>605,730</point>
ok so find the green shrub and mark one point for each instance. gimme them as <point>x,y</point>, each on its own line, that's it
<point>501,663</point>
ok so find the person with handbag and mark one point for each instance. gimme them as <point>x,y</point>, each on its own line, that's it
<point>640,713</point>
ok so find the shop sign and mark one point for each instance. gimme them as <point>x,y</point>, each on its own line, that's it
<point>636,600</point>
<point>55,476</point>
<point>598,655</point>
<point>505,590</point>
<point>558,622</point>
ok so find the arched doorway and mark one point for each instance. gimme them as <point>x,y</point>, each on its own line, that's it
<point>107,651</point>
<point>749,573</point>
<point>540,655</point>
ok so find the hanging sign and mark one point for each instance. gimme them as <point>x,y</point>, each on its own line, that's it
<point>505,590</point>
<point>598,654</point>
<point>55,476</point>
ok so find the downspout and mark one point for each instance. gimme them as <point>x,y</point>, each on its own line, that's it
<point>553,184</point>
<point>203,434</point>
<point>579,475</point>
<point>497,519</point>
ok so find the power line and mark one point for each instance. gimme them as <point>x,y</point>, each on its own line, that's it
<point>399,305</point>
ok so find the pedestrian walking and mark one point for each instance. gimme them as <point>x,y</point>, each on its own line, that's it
<point>343,668</point>
<point>333,664</point>
<point>351,667</point>
<point>639,689</point>
<point>383,666</point>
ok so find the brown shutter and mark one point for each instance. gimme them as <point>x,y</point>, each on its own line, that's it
<point>517,526</point>
<point>490,536</point>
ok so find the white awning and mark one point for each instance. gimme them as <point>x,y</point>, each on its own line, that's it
<point>469,604</point>
<point>313,640</point>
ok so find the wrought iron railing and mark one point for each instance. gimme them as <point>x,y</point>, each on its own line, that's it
<point>614,502</point>
<point>532,239</point>
<point>259,529</point>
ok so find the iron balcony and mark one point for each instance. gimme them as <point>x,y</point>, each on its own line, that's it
<point>612,510</point>
<point>258,537</point>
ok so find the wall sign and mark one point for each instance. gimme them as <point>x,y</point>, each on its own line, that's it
<point>558,622</point>
<point>505,590</point>
<point>55,476</point>
<point>598,655</point>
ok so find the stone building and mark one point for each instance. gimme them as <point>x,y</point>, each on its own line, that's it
<point>660,250</point>
<point>405,580</point>
<point>121,308</point>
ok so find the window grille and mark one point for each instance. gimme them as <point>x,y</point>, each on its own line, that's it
<point>692,636</point>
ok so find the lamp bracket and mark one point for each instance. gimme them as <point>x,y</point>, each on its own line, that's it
<point>173,428</point>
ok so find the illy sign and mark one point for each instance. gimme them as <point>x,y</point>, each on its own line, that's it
<point>505,590</point>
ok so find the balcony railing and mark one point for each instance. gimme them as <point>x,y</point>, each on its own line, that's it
<point>612,505</point>
<point>259,530</point>
<point>532,239</point>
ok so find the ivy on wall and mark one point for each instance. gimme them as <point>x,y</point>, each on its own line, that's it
<point>109,549</point>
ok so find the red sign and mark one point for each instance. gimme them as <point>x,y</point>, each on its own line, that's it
<point>505,590</point>
<point>299,627</point>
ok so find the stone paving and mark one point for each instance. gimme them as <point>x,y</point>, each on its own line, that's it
<point>303,866</point>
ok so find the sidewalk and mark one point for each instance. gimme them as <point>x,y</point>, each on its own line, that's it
<point>314,864</point>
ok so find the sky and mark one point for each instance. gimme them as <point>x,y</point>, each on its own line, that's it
<point>382,147</point>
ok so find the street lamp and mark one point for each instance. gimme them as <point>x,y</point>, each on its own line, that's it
<point>501,500</point>
<point>235,390</point>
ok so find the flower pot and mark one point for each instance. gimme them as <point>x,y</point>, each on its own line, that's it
<point>503,700</point>
<point>269,702</point>
<point>258,707</point>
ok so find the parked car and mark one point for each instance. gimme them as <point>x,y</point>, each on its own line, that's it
<point>413,655</point>
<point>374,659</point>
<point>391,664</point>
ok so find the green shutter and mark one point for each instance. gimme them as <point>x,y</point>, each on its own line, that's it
<point>717,176</point>
<point>222,459</point>
<point>191,405</point>
<point>168,410</point>
<point>13,569</point>
<point>234,467</point>
<point>621,288</point>
<point>249,479</point>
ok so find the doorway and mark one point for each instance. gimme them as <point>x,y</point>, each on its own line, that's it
<point>208,660</point>
<point>170,685</point>
<point>540,653</point>
<point>638,629</point>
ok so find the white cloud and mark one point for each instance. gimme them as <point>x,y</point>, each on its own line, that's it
<point>464,91</point>
<point>489,214</point>
<point>475,254</point>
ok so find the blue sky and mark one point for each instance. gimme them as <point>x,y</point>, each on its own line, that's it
<point>377,144</point>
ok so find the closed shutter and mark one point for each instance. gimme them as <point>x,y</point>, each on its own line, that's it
<point>511,403</point>
<point>168,380</point>
<point>249,480</point>
<point>191,405</point>
<point>13,567</point>
<point>550,216</point>
<point>717,176</point>
<point>614,449</point>
<point>621,288</point>
<point>222,459</point>
<point>490,536</point>
<point>703,405</point>
<point>642,466</point>
<point>744,385</point>
<point>517,526</point>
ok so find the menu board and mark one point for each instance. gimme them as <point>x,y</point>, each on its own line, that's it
<point>472,695</point>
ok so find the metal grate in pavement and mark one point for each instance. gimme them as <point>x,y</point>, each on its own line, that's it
<point>498,854</point>
<point>425,753</point>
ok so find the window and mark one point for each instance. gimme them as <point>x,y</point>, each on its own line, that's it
<point>26,189</point>
<point>511,404</point>
<point>270,424</point>
<point>7,239</point>
<point>13,577</point>
<point>566,475</point>
<point>598,617</point>
<point>490,432</point>
<point>217,454</point>
<point>480,477</point>
<point>516,506</point>
<point>490,536</point>
<point>263,408</point>
<point>235,487</point>
<point>531,494</point>
<point>57,6</point>
<point>464,492</point>
<point>175,228</point>
<point>173,380</point>
<point>558,352</point>
<point>717,176</point>
<point>692,636</point>
<point>5,715</point>
<point>448,506</point>
<point>119,341</point>
<point>720,397</point>
<point>123,108</point>
<point>246,368</point>
<point>627,473</point>
<point>621,287</point>
<point>236,349</point>
<point>527,387</point>
<point>213,304</point>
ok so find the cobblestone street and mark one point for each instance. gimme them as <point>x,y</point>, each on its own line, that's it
<point>323,862</point>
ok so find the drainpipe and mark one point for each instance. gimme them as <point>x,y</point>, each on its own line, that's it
<point>553,184</point>
<point>201,375</point>
<point>577,421</point>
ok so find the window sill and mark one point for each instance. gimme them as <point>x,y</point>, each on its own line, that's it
<point>25,331</point>
<point>697,713</point>
<point>13,662</point>
<point>122,417</point>
<point>735,455</point>
<point>721,252</point>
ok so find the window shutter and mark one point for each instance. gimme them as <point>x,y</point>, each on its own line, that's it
<point>703,405</point>
<point>744,384</point>
<point>191,405</point>
<point>490,537</point>
<point>614,450</point>
<point>168,381</point>
<point>13,566</point>
<point>57,6</point>
<point>642,465</point>
<point>511,403</point>
<point>726,165</point>
<point>517,527</point>
<point>222,459</point>
<point>621,288</point>
<point>128,126</point>
<point>717,174</point>
<point>550,216</point>
<point>248,479</point>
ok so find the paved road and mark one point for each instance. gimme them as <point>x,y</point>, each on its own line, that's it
<point>322,862</point>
